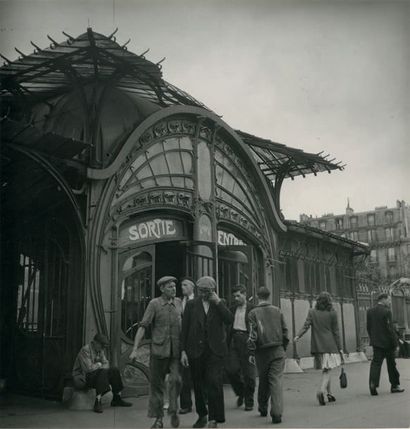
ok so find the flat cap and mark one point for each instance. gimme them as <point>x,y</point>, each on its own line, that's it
<point>102,339</point>
<point>166,279</point>
<point>206,282</point>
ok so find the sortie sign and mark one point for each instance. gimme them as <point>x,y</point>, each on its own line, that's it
<point>151,230</point>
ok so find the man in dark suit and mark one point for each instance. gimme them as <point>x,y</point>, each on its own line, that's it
<point>384,342</point>
<point>240,371</point>
<point>204,347</point>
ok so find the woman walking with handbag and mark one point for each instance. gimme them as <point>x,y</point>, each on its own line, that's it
<point>325,342</point>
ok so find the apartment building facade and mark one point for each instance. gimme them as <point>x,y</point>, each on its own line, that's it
<point>386,231</point>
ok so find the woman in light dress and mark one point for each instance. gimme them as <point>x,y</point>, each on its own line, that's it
<point>325,342</point>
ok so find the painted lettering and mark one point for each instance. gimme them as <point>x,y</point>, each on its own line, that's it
<point>228,239</point>
<point>133,233</point>
<point>170,227</point>
<point>154,229</point>
<point>143,230</point>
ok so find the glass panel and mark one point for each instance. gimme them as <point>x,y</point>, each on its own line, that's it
<point>144,172</point>
<point>154,150</point>
<point>171,143</point>
<point>174,162</point>
<point>204,171</point>
<point>164,181</point>
<point>138,162</point>
<point>178,182</point>
<point>136,290</point>
<point>187,162</point>
<point>148,183</point>
<point>28,296</point>
<point>185,143</point>
<point>159,165</point>
<point>124,180</point>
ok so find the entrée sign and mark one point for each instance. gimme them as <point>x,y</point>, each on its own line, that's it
<point>228,239</point>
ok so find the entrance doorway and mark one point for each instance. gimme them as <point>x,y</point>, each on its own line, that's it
<point>44,299</point>
<point>237,265</point>
<point>41,285</point>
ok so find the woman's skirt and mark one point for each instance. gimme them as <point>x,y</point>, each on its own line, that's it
<point>327,360</point>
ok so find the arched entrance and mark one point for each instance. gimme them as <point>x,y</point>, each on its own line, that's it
<point>42,281</point>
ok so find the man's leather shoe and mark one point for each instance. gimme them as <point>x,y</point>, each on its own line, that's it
<point>263,413</point>
<point>276,419</point>
<point>185,410</point>
<point>396,389</point>
<point>201,422</point>
<point>320,397</point>
<point>97,407</point>
<point>373,390</point>
<point>119,402</point>
<point>174,420</point>
<point>157,424</point>
<point>239,401</point>
<point>212,424</point>
<point>248,408</point>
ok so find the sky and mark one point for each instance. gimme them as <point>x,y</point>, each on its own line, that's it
<point>329,75</point>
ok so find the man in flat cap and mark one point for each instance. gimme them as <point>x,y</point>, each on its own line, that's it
<point>203,345</point>
<point>163,315</point>
<point>92,370</point>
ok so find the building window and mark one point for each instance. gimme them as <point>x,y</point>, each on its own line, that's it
<point>389,217</point>
<point>370,220</point>
<point>136,291</point>
<point>322,225</point>
<point>369,235</point>
<point>391,254</point>
<point>389,234</point>
<point>339,223</point>
<point>373,255</point>
<point>353,222</point>
<point>28,295</point>
<point>354,236</point>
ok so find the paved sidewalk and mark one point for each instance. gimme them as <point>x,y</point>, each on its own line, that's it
<point>354,407</point>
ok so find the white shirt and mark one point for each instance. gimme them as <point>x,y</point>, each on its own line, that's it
<point>185,299</point>
<point>206,306</point>
<point>239,322</point>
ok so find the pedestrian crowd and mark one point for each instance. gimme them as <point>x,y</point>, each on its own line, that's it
<point>196,340</point>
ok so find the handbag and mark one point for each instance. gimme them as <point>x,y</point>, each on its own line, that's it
<point>343,379</point>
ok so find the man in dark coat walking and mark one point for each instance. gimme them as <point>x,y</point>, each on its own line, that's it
<point>240,371</point>
<point>203,345</point>
<point>268,339</point>
<point>384,342</point>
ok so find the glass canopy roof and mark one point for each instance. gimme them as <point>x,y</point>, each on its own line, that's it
<point>92,57</point>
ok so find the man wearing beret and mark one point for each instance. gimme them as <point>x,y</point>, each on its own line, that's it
<point>203,345</point>
<point>163,315</point>
<point>92,370</point>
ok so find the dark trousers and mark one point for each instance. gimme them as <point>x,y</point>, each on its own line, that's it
<point>271,364</point>
<point>207,378</point>
<point>185,398</point>
<point>379,355</point>
<point>159,368</point>
<point>101,380</point>
<point>241,373</point>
